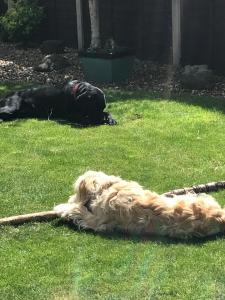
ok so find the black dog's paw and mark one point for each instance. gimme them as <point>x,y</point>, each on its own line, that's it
<point>108,119</point>
<point>112,122</point>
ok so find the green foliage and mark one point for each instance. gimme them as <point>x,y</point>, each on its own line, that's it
<point>21,22</point>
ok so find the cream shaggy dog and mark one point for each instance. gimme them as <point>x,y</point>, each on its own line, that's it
<point>105,203</point>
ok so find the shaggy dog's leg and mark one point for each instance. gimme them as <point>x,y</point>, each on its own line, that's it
<point>81,217</point>
<point>76,213</point>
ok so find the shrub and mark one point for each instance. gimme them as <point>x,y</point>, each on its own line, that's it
<point>20,23</point>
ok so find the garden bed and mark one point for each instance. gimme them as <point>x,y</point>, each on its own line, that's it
<point>16,65</point>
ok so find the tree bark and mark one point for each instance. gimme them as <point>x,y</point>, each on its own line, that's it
<point>95,24</point>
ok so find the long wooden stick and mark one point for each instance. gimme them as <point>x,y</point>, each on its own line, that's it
<point>51,214</point>
<point>200,188</point>
<point>20,219</point>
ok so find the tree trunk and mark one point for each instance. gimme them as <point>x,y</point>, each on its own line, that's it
<point>95,24</point>
<point>10,4</point>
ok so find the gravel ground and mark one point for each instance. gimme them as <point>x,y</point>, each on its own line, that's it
<point>16,64</point>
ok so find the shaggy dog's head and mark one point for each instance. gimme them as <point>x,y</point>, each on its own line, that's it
<point>91,184</point>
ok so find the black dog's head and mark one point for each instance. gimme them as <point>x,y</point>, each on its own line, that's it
<point>69,86</point>
<point>89,102</point>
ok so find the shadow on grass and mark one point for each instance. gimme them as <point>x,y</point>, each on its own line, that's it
<point>207,101</point>
<point>117,236</point>
<point>114,95</point>
<point>20,121</point>
<point>122,236</point>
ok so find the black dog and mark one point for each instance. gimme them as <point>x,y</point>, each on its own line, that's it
<point>77,102</point>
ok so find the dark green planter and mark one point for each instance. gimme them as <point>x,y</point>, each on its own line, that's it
<point>106,68</point>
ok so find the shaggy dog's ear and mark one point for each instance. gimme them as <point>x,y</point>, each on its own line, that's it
<point>81,190</point>
<point>77,183</point>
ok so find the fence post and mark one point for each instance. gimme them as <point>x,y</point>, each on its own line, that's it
<point>176,31</point>
<point>80,32</point>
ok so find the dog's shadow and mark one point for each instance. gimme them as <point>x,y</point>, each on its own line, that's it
<point>139,238</point>
<point>20,121</point>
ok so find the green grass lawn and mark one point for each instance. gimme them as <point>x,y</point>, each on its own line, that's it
<point>163,144</point>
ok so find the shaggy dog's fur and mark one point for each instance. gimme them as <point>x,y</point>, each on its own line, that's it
<point>77,102</point>
<point>106,203</point>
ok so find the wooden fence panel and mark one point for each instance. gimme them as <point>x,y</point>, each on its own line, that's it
<point>145,26</point>
<point>3,7</point>
<point>60,21</point>
<point>203,30</point>
<point>218,61</point>
<point>195,32</point>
